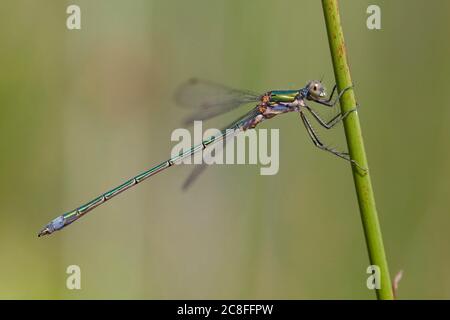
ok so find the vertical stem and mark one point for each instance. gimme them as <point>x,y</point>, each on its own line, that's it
<point>363,185</point>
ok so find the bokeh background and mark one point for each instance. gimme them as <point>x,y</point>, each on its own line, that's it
<point>80,111</point>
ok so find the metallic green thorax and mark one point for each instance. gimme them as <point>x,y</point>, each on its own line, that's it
<point>283,95</point>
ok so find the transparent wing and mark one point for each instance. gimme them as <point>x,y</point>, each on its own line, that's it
<point>207,94</point>
<point>211,98</point>
<point>239,125</point>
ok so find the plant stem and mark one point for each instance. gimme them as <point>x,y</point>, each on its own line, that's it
<point>363,185</point>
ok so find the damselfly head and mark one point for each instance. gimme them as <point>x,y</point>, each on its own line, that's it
<point>316,89</point>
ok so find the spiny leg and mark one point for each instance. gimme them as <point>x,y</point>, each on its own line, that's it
<point>328,102</point>
<point>331,123</point>
<point>315,139</point>
<point>332,93</point>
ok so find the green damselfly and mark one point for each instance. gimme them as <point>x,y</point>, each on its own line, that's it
<point>215,99</point>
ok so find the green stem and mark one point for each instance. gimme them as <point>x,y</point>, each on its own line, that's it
<point>363,185</point>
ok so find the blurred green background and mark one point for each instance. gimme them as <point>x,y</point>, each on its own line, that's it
<point>83,110</point>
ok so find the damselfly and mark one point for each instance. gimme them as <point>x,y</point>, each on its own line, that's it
<point>223,99</point>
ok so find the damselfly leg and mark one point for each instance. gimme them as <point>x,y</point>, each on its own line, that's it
<point>328,102</point>
<point>319,144</point>
<point>331,123</point>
